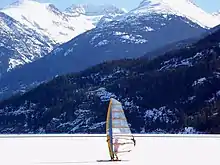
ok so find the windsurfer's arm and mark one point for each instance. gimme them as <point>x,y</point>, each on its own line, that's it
<point>121,143</point>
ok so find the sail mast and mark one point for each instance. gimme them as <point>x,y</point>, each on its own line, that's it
<point>109,130</point>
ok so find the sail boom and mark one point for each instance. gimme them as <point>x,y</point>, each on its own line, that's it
<point>124,151</point>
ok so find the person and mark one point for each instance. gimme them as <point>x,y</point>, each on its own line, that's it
<point>116,146</point>
<point>134,140</point>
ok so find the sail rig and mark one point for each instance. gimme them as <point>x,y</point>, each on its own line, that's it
<point>119,137</point>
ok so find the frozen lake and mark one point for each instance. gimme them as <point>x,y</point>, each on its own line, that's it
<point>73,149</point>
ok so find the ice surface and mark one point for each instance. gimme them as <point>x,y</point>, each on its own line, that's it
<point>150,150</point>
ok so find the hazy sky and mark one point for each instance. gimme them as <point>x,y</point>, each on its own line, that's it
<point>207,5</point>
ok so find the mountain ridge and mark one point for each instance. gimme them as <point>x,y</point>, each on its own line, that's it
<point>126,36</point>
<point>183,8</point>
<point>54,23</point>
<point>53,30</point>
<point>26,44</point>
<point>94,10</point>
<point>109,41</point>
<point>22,11</point>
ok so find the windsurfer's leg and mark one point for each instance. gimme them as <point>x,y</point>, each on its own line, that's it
<point>116,156</point>
<point>112,157</point>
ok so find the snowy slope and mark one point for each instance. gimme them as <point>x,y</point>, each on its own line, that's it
<point>217,14</point>
<point>19,44</point>
<point>94,12</point>
<point>54,24</point>
<point>185,8</point>
<point>40,35</point>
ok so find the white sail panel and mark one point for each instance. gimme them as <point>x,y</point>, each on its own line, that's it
<point>119,121</point>
<point>121,133</point>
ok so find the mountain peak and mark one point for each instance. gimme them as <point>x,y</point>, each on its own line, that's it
<point>146,2</point>
<point>55,24</point>
<point>217,13</point>
<point>25,4</point>
<point>93,10</point>
<point>184,8</point>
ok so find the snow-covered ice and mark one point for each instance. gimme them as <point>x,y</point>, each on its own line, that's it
<point>72,149</point>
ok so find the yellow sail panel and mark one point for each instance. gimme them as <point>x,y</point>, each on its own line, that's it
<point>109,131</point>
<point>110,147</point>
<point>108,118</point>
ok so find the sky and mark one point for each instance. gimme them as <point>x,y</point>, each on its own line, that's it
<point>207,5</point>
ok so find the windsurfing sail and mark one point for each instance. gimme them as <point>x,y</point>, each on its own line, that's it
<point>119,137</point>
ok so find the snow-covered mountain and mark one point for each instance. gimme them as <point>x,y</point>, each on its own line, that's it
<point>152,25</point>
<point>47,20</point>
<point>94,12</point>
<point>184,8</point>
<point>20,45</point>
<point>216,14</point>
<point>129,36</point>
<point>31,36</point>
<point>59,26</point>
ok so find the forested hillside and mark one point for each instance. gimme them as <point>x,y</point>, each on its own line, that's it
<point>167,94</point>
